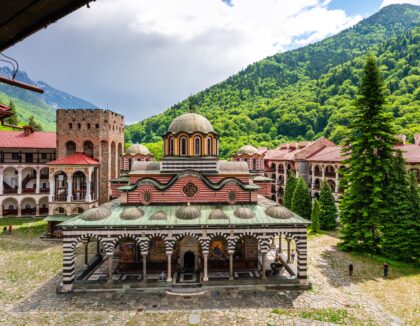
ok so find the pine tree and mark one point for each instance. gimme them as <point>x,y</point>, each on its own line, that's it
<point>328,210</point>
<point>289,189</point>
<point>35,125</point>
<point>399,220</point>
<point>301,200</point>
<point>13,119</point>
<point>369,147</point>
<point>315,216</point>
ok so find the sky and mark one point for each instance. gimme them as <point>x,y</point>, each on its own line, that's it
<point>139,57</point>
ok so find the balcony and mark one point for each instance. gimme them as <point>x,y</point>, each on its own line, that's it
<point>10,191</point>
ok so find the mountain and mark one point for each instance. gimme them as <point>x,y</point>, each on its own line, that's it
<point>309,92</point>
<point>41,106</point>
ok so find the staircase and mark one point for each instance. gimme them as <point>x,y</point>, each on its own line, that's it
<point>28,178</point>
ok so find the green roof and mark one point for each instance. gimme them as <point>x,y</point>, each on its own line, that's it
<point>121,179</point>
<point>57,218</point>
<point>114,220</point>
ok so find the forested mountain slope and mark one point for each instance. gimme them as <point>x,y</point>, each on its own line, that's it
<point>309,92</point>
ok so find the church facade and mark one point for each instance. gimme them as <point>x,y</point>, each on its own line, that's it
<point>190,220</point>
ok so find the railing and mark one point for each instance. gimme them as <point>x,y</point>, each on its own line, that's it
<point>60,197</point>
<point>318,174</point>
<point>330,174</point>
<point>10,212</point>
<point>28,211</point>
<point>10,191</point>
<point>44,190</point>
<point>28,190</point>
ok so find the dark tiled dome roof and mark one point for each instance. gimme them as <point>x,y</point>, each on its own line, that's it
<point>138,149</point>
<point>95,214</point>
<point>279,212</point>
<point>159,216</point>
<point>190,122</point>
<point>244,212</point>
<point>131,213</point>
<point>188,212</point>
<point>217,214</point>
<point>248,150</point>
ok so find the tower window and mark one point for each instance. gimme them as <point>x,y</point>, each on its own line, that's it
<point>183,146</point>
<point>70,125</point>
<point>171,146</point>
<point>209,146</point>
<point>79,126</point>
<point>97,126</point>
<point>88,125</point>
<point>197,146</point>
<point>70,148</point>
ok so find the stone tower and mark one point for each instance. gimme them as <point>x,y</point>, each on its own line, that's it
<point>97,133</point>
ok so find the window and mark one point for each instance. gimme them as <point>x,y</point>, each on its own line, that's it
<point>183,146</point>
<point>97,126</point>
<point>43,156</point>
<point>15,156</point>
<point>70,125</point>
<point>88,148</point>
<point>70,148</point>
<point>44,186</point>
<point>61,210</point>
<point>197,146</point>
<point>254,164</point>
<point>79,126</point>
<point>171,146</point>
<point>88,125</point>
<point>209,146</point>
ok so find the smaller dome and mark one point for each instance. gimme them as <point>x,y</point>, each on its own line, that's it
<point>138,149</point>
<point>188,212</point>
<point>190,122</point>
<point>217,214</point>
<point>279,212</point>
<point>247,150</point>
<point>244,212</point>
<point>108,205</point>
<point>159,216</point>
<point>95,214</point>
<point>131,213</point>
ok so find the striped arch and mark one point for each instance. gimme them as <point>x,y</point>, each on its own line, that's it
<point>265,241</point>
<point>109,248</point>
<point>126,235</point>
<point>226,236</point>
<point>169,243</point>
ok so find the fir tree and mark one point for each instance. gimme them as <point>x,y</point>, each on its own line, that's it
<point>369,147</point>
<point>35,125</point>
<point>289,189</point>
<point>13,119</point>
<point>398,220</point>
<point>315,216</point>
<point>301,200</point>
<point>328,210</point>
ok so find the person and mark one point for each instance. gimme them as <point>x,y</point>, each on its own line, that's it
<point>351,269</point>
<point>293,254</point>
<point>5,230</point>
<point>10,229</point>
<point>276,266</point>
<point>162,276</point>
<point>386,267</point>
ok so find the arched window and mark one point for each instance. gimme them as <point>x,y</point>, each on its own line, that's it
<point>197,146</point>
<point>254,164</point>
<point>70,148</point>
<point>88,148</point>
<point>183,146</point>
<point>171,146</point>
<point>209,146</point>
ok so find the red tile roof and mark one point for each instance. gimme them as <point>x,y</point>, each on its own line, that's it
<point>75,159</point>
<point>327,154</point>
<point>5,111</point>
<point>411,153</point>
<point>37,139</point>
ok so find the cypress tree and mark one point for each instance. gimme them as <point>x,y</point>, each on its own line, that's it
<point>398,220</point>
<point>35,125</point>
<point>289,189</point>
<point>328,210</point>
<point>369,148</point>
<point>315,216</point>
<point>13,119</point>
<point>301,200</point>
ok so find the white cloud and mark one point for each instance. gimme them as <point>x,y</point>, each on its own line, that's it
<point>390,2</point>
<point>142,56</point>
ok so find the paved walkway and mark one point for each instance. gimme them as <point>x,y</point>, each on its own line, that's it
<point>222,307</point>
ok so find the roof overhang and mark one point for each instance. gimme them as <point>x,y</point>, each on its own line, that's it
<point>19,19</point>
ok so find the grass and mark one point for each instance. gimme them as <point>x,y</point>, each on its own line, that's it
<point>27,228</point>
<point>337,316</point>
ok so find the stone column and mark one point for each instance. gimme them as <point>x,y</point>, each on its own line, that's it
<point>264,258</point>
<point>36,209</point>
<point>1,210</point>
<point>109,268</point>
<point>68,265</point>
<point>1,181</point>
<point>88,191</point>
<point>86,252</point>
<point>277,183</point>
<point>19,191</point>
<point>337,181</point>
<point>280,248</point>
<point>205,276</point>
<point>313,177</point>
<point>69,189</point>
<point>144,255</point>
<point>169,258</point>
<point>323,173</point>
<point>52,190</point>
<point>19,207</point>
<point>38,181</point>
<point>230,265</point>
<point>288,250</point>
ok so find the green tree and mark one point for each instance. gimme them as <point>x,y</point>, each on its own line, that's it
<point>369,147</point>
<point>316,210</point>
<point>328,210</point>
<point>289,189</point>
<point>13,119</point>
<point>301,200</point>
<point>399,221</point>
<point>35,125</point>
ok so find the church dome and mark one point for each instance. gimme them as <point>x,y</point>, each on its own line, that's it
<point>247,150</point>
<point>217,214</point>
<point>244,212</point>
<point>131,213</point>
<point>279,212</point>
<point>159,216</point>
<point>190,123</point>
<point>188,212</point>
<point>138,149</point>
<point>95,214</point>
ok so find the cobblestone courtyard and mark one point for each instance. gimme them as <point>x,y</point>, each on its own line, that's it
<point>30,272</point>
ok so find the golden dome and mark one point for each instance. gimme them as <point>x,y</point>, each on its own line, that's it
<point>190,123</point>
<point>138,149</point>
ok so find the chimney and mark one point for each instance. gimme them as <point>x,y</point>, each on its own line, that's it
<point>27,130</point>
<point>417,139</point>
